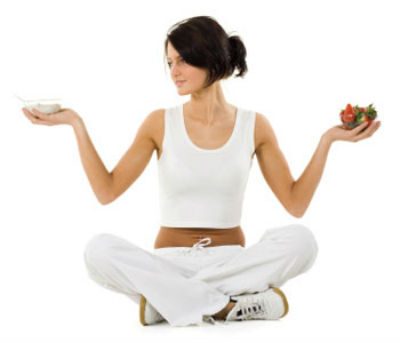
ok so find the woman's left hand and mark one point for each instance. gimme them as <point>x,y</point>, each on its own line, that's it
<point>338,133</point>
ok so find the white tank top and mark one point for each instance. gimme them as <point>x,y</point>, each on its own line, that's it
<point>204,187</point>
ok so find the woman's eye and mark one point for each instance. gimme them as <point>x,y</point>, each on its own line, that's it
<point>181,60</point>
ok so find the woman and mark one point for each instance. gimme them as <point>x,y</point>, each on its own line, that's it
<point>199,268</point>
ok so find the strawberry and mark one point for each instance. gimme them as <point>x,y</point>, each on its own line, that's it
<point>348,114</point>
<point>349,109</point>
<point>354,116</point>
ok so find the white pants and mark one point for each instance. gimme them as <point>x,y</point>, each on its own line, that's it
<point>186,283</point>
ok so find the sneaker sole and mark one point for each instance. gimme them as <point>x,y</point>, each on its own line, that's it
<point>143,302</point>
<point>285,302</point>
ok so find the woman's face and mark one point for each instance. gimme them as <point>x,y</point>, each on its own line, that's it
<point>194,77</point>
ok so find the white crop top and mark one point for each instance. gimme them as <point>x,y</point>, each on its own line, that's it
<point>204,187</point>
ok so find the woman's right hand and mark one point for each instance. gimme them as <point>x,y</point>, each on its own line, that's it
<point>64,116</point>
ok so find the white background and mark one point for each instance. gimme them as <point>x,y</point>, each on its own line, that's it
<point>306,60</point>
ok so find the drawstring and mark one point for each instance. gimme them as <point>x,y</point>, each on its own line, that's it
<point>199,245</point>
<point>202,243</point>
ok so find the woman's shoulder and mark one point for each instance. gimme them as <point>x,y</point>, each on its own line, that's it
<point>263,131</point>
<point>155,125</point>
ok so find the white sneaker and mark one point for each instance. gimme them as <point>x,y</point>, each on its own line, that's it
<point>270,304</point>
<point>148,314</point>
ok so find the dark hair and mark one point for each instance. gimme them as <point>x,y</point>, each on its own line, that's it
<point>202,42</point>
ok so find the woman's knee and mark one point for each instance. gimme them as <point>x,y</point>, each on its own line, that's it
<point>303,242</point>
<point>297,238</point>
<point>98,248</point>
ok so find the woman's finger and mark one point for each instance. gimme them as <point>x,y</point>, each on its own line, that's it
<point>28,114</point>
<point>368,132</point>
<point>38,113</point>
<point>43,117</point>
<point>360,127</point>
<point>356,132</point>
<point>34,118</point>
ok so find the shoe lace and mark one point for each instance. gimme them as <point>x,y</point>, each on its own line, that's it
<point>249,309</point>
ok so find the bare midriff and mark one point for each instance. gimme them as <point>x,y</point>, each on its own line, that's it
<point>186,237</point>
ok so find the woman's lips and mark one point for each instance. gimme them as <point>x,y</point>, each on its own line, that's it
<point>180,83</point>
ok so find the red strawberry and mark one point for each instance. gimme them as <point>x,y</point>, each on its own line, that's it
<point>349,109</point>
<point>348,115</point>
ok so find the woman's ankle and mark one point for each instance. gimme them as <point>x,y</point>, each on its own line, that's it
<point>223,313</point>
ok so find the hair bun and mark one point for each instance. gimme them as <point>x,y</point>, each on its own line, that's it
<point>203,43</point>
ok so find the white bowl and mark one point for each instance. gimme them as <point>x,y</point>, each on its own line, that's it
<point>44,107</point>
<point>47,106</point>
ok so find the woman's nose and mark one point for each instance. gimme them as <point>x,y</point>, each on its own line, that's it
<point>174,70</point>
<point>176,75</point>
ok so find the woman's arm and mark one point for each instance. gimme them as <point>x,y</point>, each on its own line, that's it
<point>99,177</point>
<point>303,189</point>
